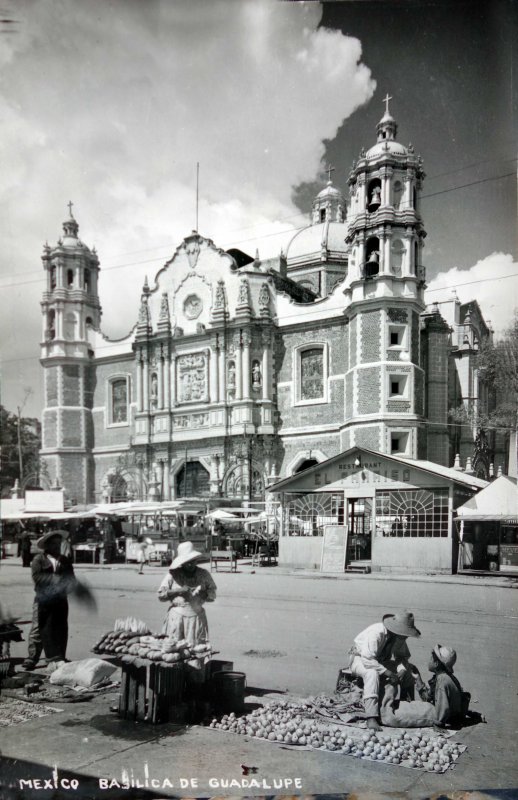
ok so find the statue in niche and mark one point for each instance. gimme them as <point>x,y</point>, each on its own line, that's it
<point>154,386</point>
<point>256,376</point>
<point>231,379</point>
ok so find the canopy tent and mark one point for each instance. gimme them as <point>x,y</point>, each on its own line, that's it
<point>497,502</point>
<point>220,514</point>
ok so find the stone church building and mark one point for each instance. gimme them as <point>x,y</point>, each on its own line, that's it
<point>239,372</point>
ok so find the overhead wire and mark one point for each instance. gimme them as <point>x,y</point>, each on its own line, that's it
<point>252,238</point>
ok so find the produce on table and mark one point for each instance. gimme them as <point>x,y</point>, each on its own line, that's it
<point>287,723</point>
<point>124,640</point>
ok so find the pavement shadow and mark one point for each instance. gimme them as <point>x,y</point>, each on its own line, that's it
<point>24,780</point>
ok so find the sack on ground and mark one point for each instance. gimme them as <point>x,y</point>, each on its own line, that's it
<point>414,714</point>
<point>87,673</point>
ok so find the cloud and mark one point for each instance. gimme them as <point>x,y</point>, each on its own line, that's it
<point>112,104</point>
<point>492,282</point>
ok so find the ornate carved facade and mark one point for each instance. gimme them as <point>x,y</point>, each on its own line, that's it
<point>238,371</point>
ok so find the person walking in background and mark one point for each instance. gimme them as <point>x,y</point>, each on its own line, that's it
<point>143,556</point>
<point>25,546</point>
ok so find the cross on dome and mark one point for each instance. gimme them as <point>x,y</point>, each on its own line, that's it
<point>386,101</point>
<point>329,169</point>
<point>70,205</point>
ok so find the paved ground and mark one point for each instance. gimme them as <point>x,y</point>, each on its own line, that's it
<point>306,624</point>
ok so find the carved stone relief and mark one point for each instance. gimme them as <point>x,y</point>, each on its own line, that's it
<point>192,377</point>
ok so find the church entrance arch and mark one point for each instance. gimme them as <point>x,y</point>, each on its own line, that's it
<point>122,485</point>
<point>192,480</point>
<point>236,483</point>
<point>306,464</point>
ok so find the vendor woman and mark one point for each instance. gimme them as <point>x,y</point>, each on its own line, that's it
<point>186,587</point>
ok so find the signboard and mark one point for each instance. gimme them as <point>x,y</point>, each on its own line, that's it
<point>45,502</point>
<point>509,557</point>
<point>334,548</point>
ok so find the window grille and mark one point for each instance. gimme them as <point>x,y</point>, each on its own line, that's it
<point>412,513</point>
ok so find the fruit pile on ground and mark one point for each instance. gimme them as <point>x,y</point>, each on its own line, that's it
<point>288,723</point>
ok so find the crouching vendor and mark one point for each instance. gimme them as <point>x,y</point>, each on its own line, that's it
<point>443,691</point>
<point>380,656</point>
<point>186,587</point>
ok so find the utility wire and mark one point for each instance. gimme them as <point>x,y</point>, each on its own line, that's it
<point>252,238</point>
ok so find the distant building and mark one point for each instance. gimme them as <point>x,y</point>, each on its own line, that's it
<point>238,372</point>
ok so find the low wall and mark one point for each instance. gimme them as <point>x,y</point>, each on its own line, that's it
<point>302,552</point>
<point>412,554</point>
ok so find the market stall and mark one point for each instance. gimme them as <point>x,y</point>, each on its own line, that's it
<point>487,527</point>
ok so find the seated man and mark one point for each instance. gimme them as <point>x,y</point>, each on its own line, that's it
<point>380,657</point>
<point>444,690</point>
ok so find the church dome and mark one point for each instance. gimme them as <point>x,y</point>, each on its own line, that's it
<point>386,147</point>
<point>329,191</point>
<point>310,243</point>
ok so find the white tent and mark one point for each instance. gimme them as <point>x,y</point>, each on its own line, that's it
<point>497,502</point>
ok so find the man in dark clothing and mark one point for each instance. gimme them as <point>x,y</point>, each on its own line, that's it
<point>25,547</point>
<point>443,690</point>
<point>54,580</point>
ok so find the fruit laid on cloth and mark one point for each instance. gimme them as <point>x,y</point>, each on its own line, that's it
<point>132,625</point>
<point>288,724</point>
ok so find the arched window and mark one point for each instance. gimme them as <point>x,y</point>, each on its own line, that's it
<point>52,278</point>
<point>306,464</point>
<point>119,400</point>
<point>416,258</point>
<point>372,257</point>
<point>70,278</point>
<point>374,195</point>
<point>311,374</point>
<point>86,280</point>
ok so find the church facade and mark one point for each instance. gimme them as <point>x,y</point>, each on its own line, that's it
<point>238,372</point>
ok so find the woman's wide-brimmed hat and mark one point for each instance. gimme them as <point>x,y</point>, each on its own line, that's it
<point>43,540</point>
<point>446,655</point>
<point>402,624</point>
<point>185,553</point>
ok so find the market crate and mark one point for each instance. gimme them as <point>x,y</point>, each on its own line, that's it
<point>151,691</point>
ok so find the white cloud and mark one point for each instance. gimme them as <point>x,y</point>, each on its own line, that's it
<point>492,282</point>
<point>112,104</point>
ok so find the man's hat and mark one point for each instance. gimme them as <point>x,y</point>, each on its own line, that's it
<point>402,624</point>
<point>43,540</point>
<point>446,655</point>
<point>185,553</point>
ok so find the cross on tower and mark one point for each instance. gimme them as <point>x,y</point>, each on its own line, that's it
<point>70,209</point>
<point>329,170</point>
<point>386,101</point>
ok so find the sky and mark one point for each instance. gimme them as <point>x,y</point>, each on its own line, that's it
<point>111,103</point>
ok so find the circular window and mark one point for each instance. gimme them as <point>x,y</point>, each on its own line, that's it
<point>192,306</point>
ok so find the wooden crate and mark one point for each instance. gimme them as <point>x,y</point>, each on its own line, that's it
<point>151,691</point>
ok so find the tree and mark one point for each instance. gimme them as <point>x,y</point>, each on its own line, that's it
<point>498,369</point>
<point>20,441</point>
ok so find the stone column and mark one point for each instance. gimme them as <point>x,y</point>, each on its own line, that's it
<point>239,371</point>
<point>173,381</point>
<point>387,266</point>
<point>266,365</point>
<point>213,366</point>
<point>361,255</point>
<point>139,384</point>
<point>59,321</point>
<point>145,381</point>
<point>167,483</point>
<point>407,256</point>
<point>407,194</point>
<point>222,376</point>
<point>160,370</point>
<point>246,365</point>
<point>167,382</point>
<point>160,478</point>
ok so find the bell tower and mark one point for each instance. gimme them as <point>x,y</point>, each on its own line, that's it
<point>70,306</point>
<point>385,289</point>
